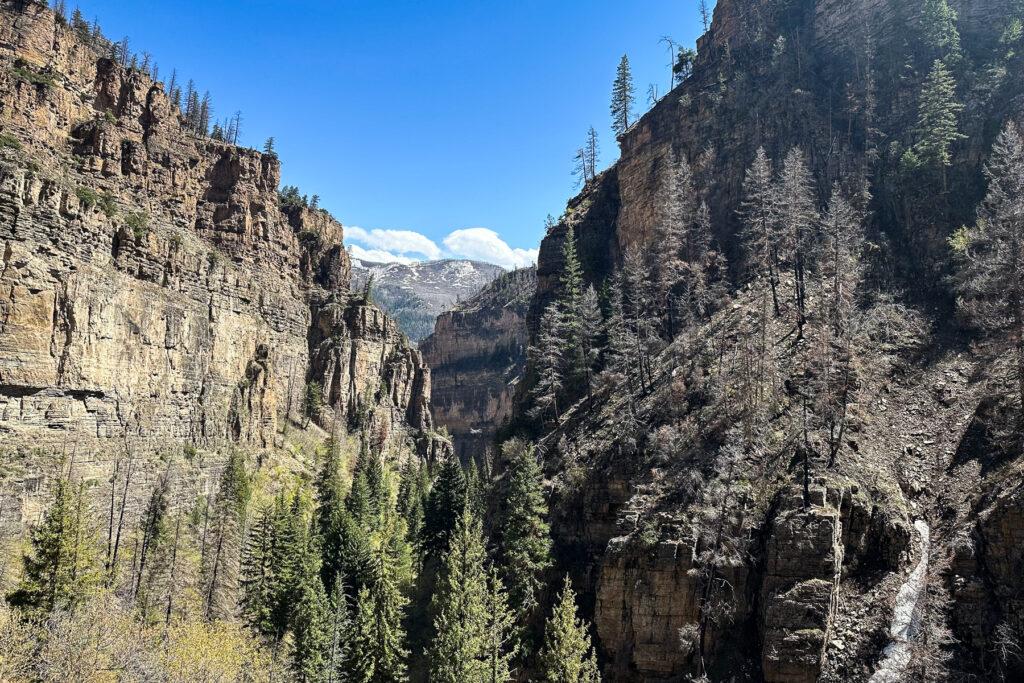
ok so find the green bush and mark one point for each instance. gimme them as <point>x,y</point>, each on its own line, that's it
<point>139,224</point>
<point>107,205</point>
<point>87,197</point>
<point>8,141</point>
<point>23,72</point>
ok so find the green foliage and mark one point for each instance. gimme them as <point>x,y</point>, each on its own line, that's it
<point>311,622</point>
<point>24,72</point>
<point>138,223</point>
<point>938,21</point>
<point>460,652</point>
<point>378,646</point>
<point>444,508</point>
<point>8,141</point>
<point>290,198</point>
<point>60,569</point>
<point>567,656</point>
<point>938,114</point>
<point>314,400</point>
<point>525,548</point>
<point>107,204</point>
<point>87,197</point>
<point>623,96</point>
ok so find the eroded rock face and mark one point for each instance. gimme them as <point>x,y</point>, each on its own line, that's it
<point>477,355</point>
<point>152,288</point>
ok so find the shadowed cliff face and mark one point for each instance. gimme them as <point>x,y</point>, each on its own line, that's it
<point>811,595</point>
<point>477,354</point>
<point>152,289</point>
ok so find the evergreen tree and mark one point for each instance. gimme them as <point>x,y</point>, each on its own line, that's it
<point>590,337</point>
<point>623,96</point>
<point>525,548</point>
<point>154,528</point>
<point>458,652</point>
<point>798,215</point>
<point>258,575</point>
<point>677,204</point>
<point>220,569</point>
<point>268,147</point>
<point>60,570</point>
<point>311,622</point>
<point>342,634</point>
<point>330,511</point>
<point>941,35</point>
<point>937,128</point>
<point>570,328</point>
<point>499,643</point>
<point>760,233</point>
<point>567,656</point>
<point>380,648</point>
<point>991,254</point>
<point>591,152</point>
<point>444,508</point>
<point>548,361</point>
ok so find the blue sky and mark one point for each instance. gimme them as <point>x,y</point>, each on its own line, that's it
<point>428,128</point>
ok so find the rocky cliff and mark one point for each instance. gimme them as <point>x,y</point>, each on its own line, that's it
<point>153,290</point>
<point>808,588</point>
<point>477,354</point>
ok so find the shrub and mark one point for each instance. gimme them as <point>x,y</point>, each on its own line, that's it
<point>23,72</point>
<point>8,141</point>
<point>87,197</point>
<point>107,205</point>
<point>139,224</point>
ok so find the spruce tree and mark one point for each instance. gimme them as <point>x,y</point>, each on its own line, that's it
<point>311,622</point>
<point>220,569</point>
<point>499,641</point>
<point>623,96</point>
<point>257,599</point>
<point>677,204</point>
<point>567,656</point>
<point>548,361</point>
<point>570,319</point>
<point>330,510</point>
<point>60,570</point>
<point>938,21</point>
<point>342,633</point>
<point>525,548</point>
<point>937,121</point>
<point>592,322</point>
<point>458,652</point>
<point>444,507</point>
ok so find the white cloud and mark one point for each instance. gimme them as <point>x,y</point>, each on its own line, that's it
<point>378,255</point>
<point>401,243</point>
<point>483,244</point>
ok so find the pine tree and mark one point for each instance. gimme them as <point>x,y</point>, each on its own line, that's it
<point>154,528</point>
<point>570,327</point>
<point>938,21</point>
<point>622,339</point>
<point>444,508</point>
<point>330,511</point>
<point>499,642</point>
<point>380,644</point>
<point>458,652</point>
<point>60,570</point>
<point>311,621</point>
<point>991,254</point>
<point>268,147</point>
<point>761,236</point>
<point>705,14</point>
<point>548,361</point>
<point>220,570</point>
<point>258,575</point>
<point>342,630</point>
<point>677,203</point>
<point>205,114</point>
<point>638,300</point>
<point>938,112</point>
<point>798,215</point>
<point>591,329</point>
<point>525,548</point>
<point>591,152</point>
<point>623,96</point>
<point>567,656</point>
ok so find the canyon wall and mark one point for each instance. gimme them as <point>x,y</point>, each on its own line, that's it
<point>477,355</point>
<point>154,291</point>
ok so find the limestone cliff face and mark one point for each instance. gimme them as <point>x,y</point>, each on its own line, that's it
<point>152,287</point>
<point>477,354</point>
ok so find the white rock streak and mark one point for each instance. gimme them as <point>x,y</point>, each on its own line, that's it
<point>906,619</point>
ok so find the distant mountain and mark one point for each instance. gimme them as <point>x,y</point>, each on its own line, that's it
<point>414,295</point>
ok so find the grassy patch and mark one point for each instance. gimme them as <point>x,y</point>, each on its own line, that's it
<point>23,72</point>
<point>8,141</point>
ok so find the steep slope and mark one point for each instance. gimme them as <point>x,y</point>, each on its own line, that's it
<point>798,577</point>
<point>415,294</point>
<point>154,292</point>
<point>476,355</point>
